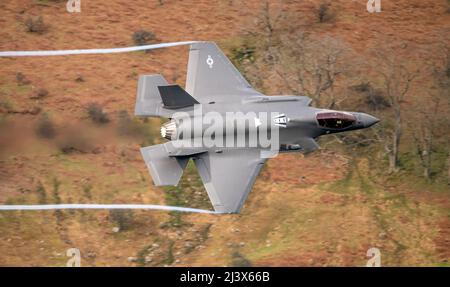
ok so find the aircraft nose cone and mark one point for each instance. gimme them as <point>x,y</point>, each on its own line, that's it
<point>369,120</point>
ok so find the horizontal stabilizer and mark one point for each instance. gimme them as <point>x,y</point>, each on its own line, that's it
<point>174,97</point>
<point>148,100</point>
<point>164,170</point>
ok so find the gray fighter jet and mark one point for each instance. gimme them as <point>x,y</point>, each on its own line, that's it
<point>215,85</point>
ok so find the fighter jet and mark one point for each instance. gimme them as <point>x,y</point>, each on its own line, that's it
<point>213,84</point>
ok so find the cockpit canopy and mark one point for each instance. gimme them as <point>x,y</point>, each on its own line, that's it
<point>335,120</point>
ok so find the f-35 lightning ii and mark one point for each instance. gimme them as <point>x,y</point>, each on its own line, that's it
<point>214,85</point>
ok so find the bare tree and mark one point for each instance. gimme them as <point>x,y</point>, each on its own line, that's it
<point>424,133</point>
<point>445,88</point>
<point>263,33</point>
<point>448,168</point>
<point>268,25</point>
<point>441,75</point>
<point>397,79</point>
<point>312,66</point>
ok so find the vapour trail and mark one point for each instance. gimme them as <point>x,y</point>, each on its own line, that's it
<point>103,206</point>
<point>92,51</point>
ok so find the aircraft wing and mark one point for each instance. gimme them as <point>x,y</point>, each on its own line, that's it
<point>211,77</point>
<point>229,176</point>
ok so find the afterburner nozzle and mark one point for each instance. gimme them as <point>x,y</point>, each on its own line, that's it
<point>169,130</point>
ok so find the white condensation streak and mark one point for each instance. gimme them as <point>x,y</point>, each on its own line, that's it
<point>92,51</point>
<point>103,206</point>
